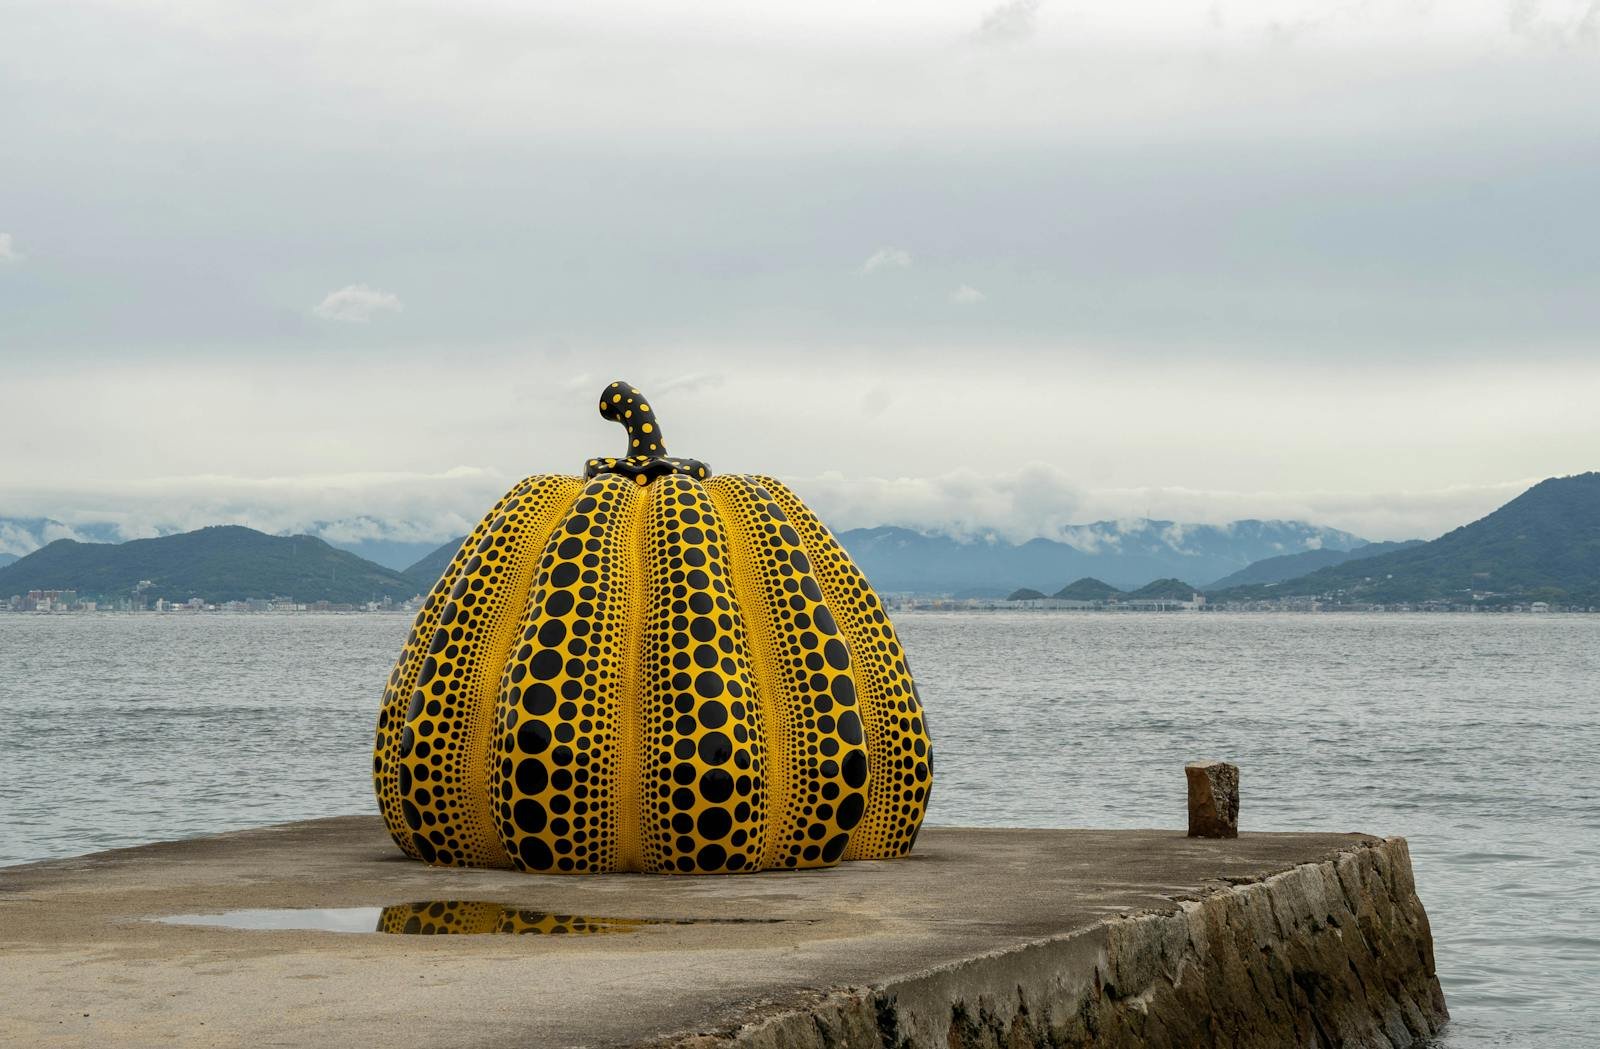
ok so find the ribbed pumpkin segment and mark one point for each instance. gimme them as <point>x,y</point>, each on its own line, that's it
<point>402,684</point>
<point>705,755</point>
<point>561,762</point>
<point>816,742</point>
<point>897,733</point>
<point>445,742</point>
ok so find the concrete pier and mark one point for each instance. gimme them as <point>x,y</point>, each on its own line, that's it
<point>980,938</point>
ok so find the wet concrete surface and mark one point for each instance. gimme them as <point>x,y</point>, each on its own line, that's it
<point>82,962</point>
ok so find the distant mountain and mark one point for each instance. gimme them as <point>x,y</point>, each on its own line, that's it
<point>1025,594</point>
<point>24,535</point>
<point>427,571</point>
<point>390,553</point>
<point>1169,589</point>
<point>224,563</point>
<point>1292,566</point>
<point>1544,545</point>
<point>1087,589</point>
<point>1126,554</point>
<point>6,559</point>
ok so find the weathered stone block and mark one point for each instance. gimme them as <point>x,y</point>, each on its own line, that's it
<point>1213,799</point>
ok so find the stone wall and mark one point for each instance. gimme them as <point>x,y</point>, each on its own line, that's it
<point>1337,953</point>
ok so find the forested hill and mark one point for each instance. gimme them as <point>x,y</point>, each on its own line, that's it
<point>224,563</point>
<point>1087,589</point>
<point>427,571</point>
<point>1544,545</point>
<point>1293,566</point>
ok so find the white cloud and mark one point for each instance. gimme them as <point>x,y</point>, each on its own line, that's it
<point>886,259</point>
<point>395,506</point>
<point>1089,540</point>
<point>1041,500</point>
<point>967,295</point>
<point>1034,500</point>
<point>356,304</point>
<point>8,249</point>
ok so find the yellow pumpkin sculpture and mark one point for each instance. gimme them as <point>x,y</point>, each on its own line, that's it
<point>651,669</point>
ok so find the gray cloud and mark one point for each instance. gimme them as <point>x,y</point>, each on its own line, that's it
<point>1224,270</point>
<point>1573,24</point>
<point>696,382</point>
<point>8,250</point>
<point>1149,193</point>
<point>1009,22</point>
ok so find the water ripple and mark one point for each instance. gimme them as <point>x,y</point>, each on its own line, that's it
<point>1474,736</point>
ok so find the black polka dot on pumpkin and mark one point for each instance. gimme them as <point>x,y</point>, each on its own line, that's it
<point>716,785</point>
<point>850,727</point>
<point>715,748</point>
<point>844,692</point>
<point>536,854</point>
<point>714,823</point>
<point>533,737</point>
<point>531,778</point>
<point>529,816</point>
<point>539,699</point>
<point>546,664</point>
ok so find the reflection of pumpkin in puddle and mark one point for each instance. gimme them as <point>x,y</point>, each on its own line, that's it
<point>447,917</point>
<point>650,668</point>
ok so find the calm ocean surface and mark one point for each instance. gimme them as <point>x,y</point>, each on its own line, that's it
<point>1477,737</point>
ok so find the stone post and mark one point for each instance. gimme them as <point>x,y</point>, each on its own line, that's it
<point>1213,799</point>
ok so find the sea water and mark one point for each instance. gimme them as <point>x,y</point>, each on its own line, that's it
<point>1475,736</point>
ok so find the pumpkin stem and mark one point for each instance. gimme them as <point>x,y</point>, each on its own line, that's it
<point>621,402</point>
<point>646,457</point>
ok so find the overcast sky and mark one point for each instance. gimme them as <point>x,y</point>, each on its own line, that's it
<point>944,264</point>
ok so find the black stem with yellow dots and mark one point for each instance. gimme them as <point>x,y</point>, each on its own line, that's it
<point>646,457</point>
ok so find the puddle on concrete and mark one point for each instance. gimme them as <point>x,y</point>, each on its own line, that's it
<point>432,918</point>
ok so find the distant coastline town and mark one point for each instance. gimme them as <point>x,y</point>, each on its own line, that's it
<point>1199,603</point>
<point>61,602</point>
<point>67,602</point>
